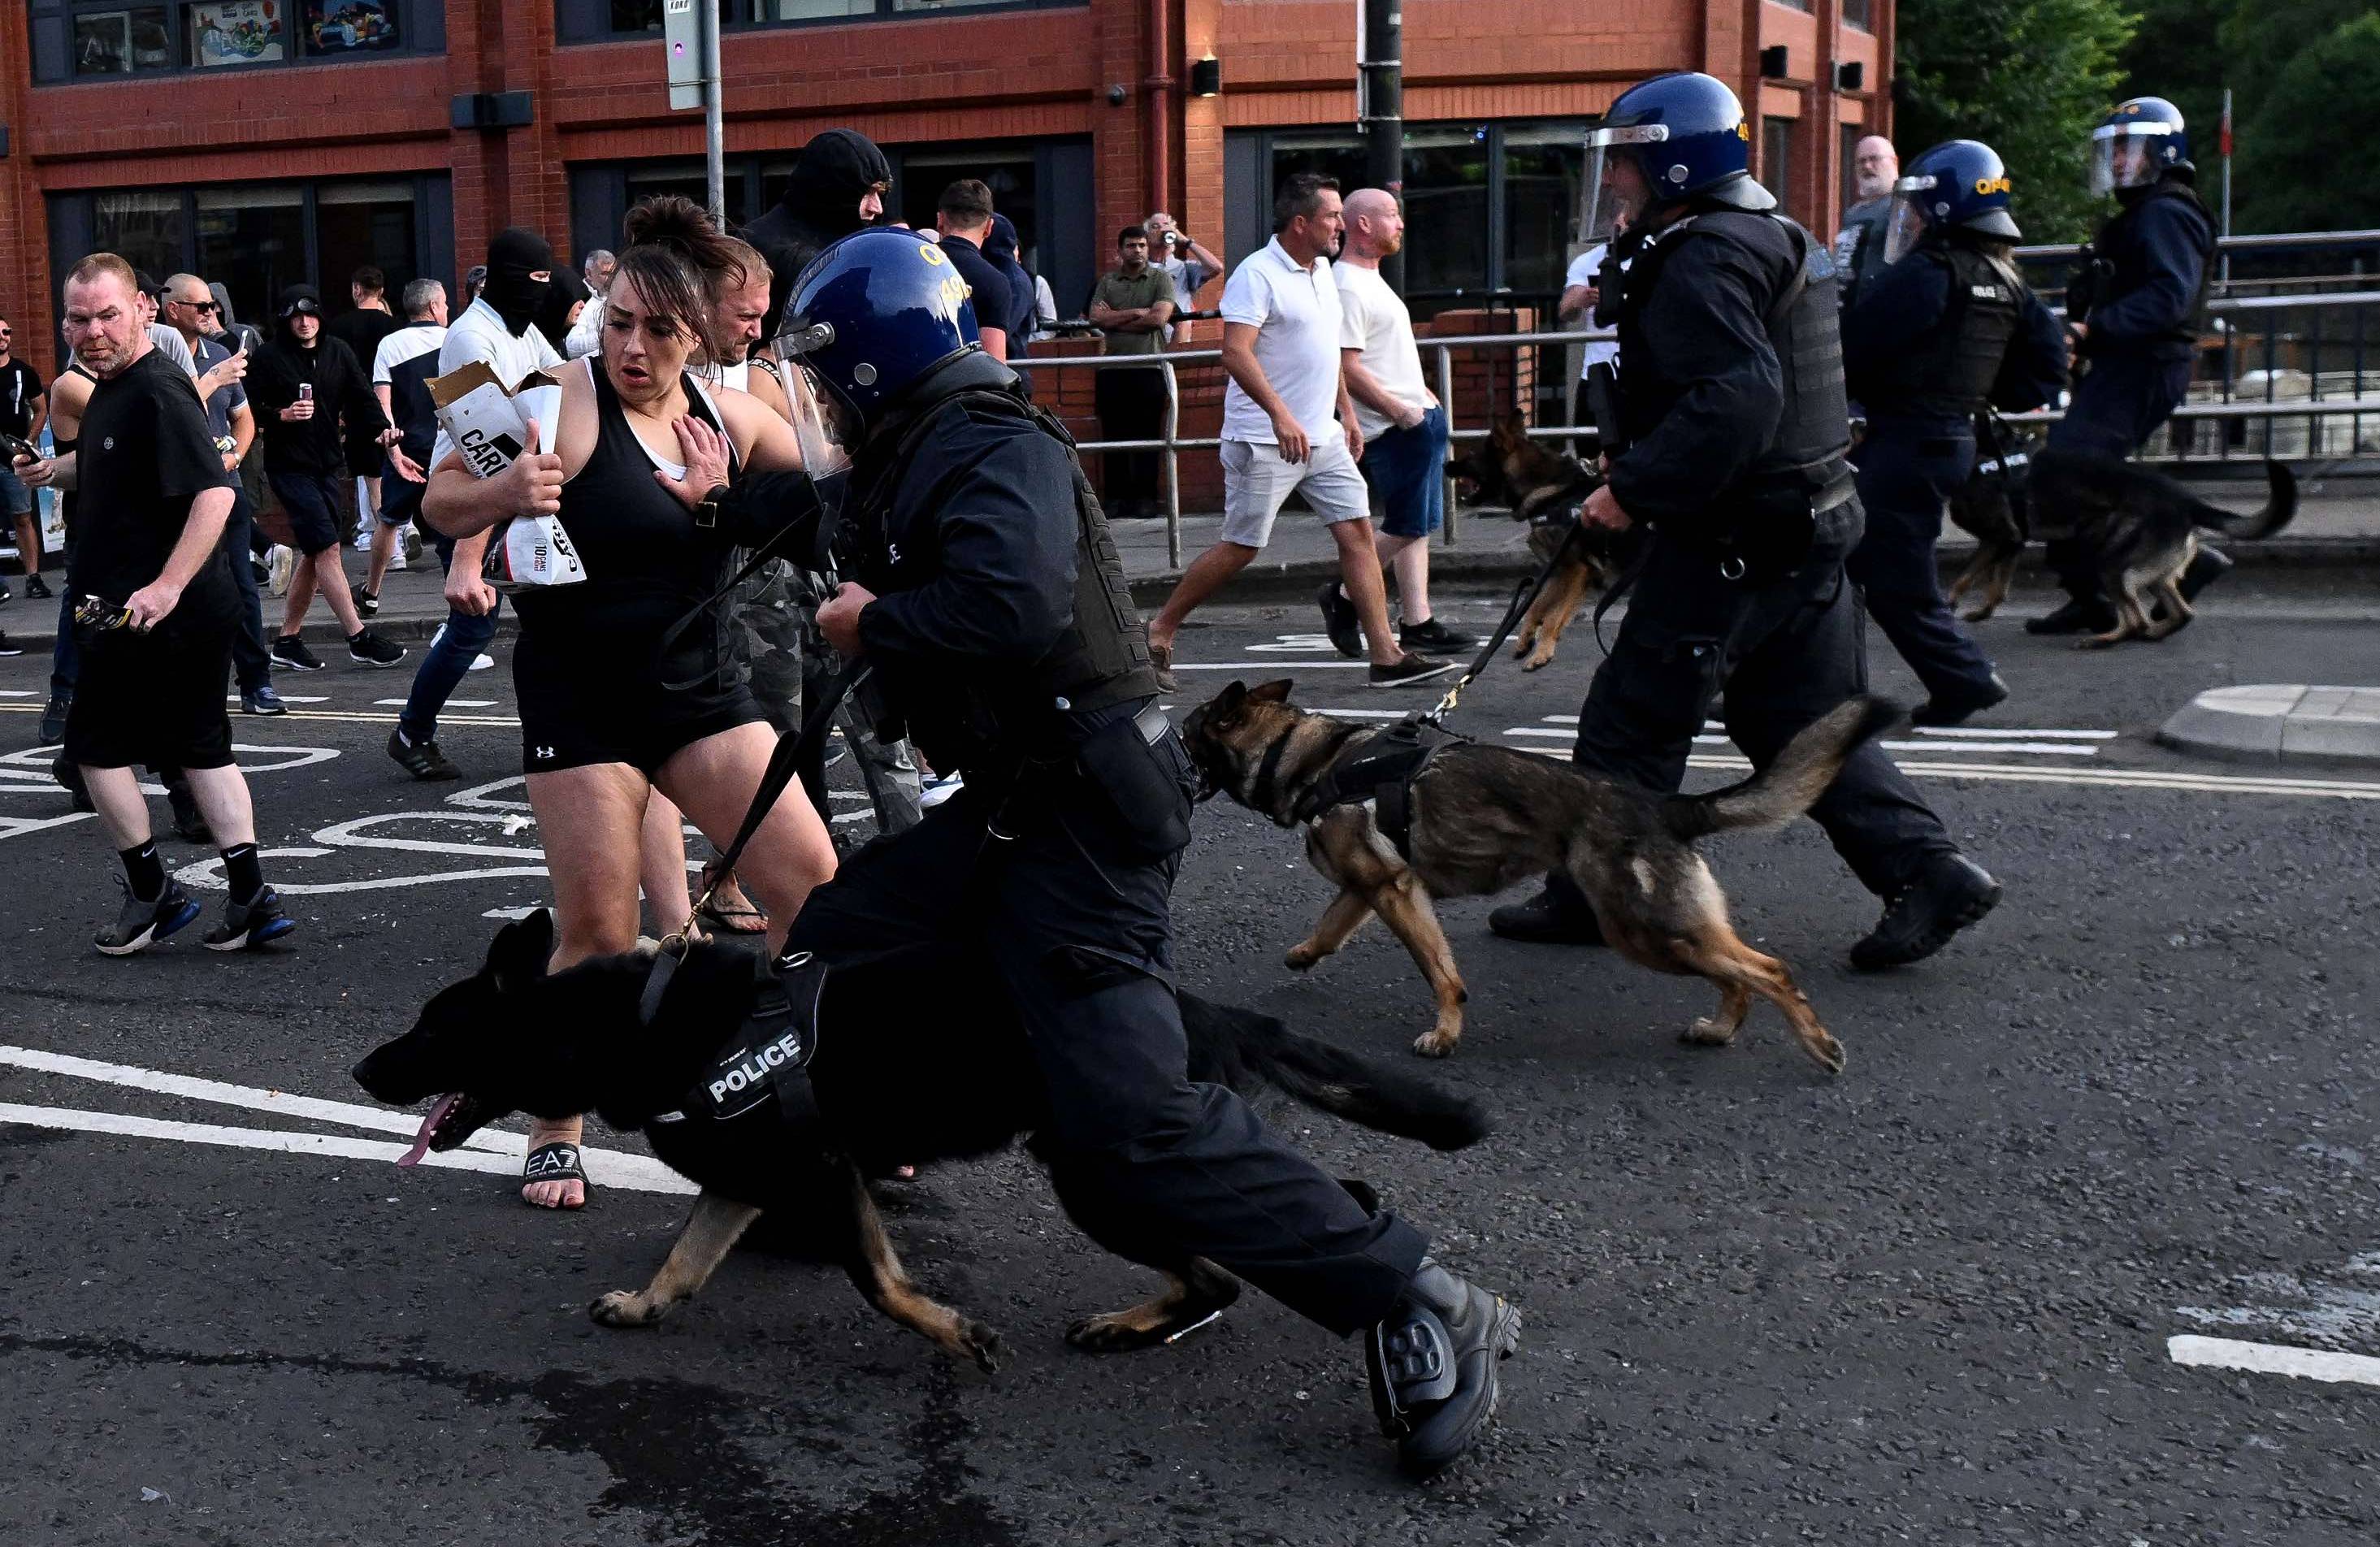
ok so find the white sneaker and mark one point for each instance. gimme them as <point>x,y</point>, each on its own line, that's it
<point>480,663</point>
<point>284,563</point>
<point>397,561</point>
<point>937,791</point>
<point>363,541</point>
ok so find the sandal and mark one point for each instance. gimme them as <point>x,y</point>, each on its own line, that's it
<point>730,919</point>
<point>555,1163</point>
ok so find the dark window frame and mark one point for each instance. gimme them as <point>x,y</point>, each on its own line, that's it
<point>421,31</point>
<point>590,21</point>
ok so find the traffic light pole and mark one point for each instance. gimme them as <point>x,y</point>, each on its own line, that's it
<point>714,133</point>
<point>1380,106</point>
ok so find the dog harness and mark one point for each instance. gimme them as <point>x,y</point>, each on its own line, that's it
<point>766,1063</point>
<point>1380,769</point>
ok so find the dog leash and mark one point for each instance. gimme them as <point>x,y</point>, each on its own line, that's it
<point>1523,595</point>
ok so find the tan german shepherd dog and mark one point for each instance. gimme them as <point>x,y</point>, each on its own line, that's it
<point>1485,819</point>
<point>1546,488</point>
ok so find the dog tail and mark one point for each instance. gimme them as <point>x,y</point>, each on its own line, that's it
<point>2280,507</point>
<point>1791,785</point>
<point>1331,1079</point>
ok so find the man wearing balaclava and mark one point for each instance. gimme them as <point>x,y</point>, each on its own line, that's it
<point>837,187</point>
<point>499,331</point>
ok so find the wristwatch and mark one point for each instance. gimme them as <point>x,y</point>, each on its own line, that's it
<point>707,512</point>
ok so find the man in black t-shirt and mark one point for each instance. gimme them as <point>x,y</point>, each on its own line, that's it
<point>156,611</point>
<point>361,330</point>
<point>23,407</point>
<point>964,215</point>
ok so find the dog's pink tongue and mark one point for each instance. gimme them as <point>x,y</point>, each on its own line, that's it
<point>429,1126</point>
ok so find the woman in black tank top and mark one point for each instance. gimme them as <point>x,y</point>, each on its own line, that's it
<point>611,708</point>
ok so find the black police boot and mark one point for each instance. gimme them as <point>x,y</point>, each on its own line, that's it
<point>2207,566</point>
<point>1920,918</point>
<point>1546,920</point>
<point>1939,711</point>
<point>2079,615</point>
<point>1432,1364</point>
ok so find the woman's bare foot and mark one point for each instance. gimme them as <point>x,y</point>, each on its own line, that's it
<point>568,1194</point>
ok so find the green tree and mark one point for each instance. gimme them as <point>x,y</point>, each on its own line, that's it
<point>2299,149</point>
<point>2175,56</point>
<point>2029,77</point>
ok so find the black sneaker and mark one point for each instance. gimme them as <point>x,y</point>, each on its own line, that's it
<point>37,586</point>
<point>421,759</point>
<point>1920,918</point>
<point>367,603</point>
<point>141,924</point>
<point>1434,636</point>
<point>53,720</point>
<point>289,650</point>
<point>263,701</point>
<point>1412,668</point>
<point>3,591</point>
<point>1546,920</point>
<point>1957,711</point>
<point>368,648</point>
<point>9,649</point>
<point>2080,615</point>
<point>250,924</point>
<point>189,822</point>
<point>1433,1367</point>
<point>1339,620</point>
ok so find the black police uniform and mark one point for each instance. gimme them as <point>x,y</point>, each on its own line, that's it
<point>1931,339</point>
<point>1732,401</point>
<point>1003,631</point>
<point>2143,299</point>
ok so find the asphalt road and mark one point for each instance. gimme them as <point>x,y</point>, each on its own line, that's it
<point>1928,1301</point>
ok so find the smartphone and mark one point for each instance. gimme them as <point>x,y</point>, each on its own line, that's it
<point>14,447</point>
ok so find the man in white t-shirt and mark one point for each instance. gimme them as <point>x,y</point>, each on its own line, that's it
<point>1281,349</point>
<point>1576,310</point>
<point>1404,424</point>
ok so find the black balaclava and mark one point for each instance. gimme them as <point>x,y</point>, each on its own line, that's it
<point>553,312</point>
<point>835,171</point>
<point>514,256</point>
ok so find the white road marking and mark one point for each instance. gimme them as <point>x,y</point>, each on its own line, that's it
<point>514,914</point>
<point>16,693</point>
<point>1365,714</point>
<point>2273,1358</point>
<point>350,1114</point>
<point>291,699</point>
<point>1293,643</point>
<point>1964,732</point>
<point>2046,749</point>
<point>1274,665</point>
<point>2127,779</point>
<point>608,1168</point>
<point>451,704</point>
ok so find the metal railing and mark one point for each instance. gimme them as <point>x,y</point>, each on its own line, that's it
<point>2262,399</point>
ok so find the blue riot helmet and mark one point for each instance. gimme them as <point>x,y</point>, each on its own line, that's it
<point>874,314</point>
<point>1685,136</point>
<point>1959,185</point>
<point>2137,144</point>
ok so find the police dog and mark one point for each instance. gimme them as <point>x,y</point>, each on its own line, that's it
<point>1995,507</point>
<point>2141,530</point>
<point>1545,489</point>
<point>1485,819</point>
<point>915,1062</point>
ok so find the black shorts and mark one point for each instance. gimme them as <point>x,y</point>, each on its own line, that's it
<point>154,698</point>
<point>318,506</point>
<point>592,694</point>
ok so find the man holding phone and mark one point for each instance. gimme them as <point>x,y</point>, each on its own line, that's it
<point>23,407</point>
<point>158,614</point>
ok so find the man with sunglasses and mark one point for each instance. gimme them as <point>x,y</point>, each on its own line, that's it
<point>189,308</point>
<point>24,406</point>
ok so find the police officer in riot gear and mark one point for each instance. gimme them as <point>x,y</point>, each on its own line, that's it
<point>1947,326</point>
<point>982,586</point>
<point>1734,429</point>
<point>2134,308</point>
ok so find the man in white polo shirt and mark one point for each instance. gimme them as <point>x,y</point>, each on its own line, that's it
<point>1290,426</point>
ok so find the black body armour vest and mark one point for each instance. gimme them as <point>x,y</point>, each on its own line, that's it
<point>1101,660</point>
<point>1813,431</point>
<point>1947,374</point>
<point>2126,260</point>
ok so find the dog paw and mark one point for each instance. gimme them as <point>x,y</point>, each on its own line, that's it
<point>1537,664</point>
<point>625,1308</point>
<point>1112,1332</point>
<point>1301,957</point>
<point>1826,1050</point>
<point>1707,1033</point>
<point>982,1345</point>
<point>1436,1043</point>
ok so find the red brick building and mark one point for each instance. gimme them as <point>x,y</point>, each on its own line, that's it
<point>264,141</point>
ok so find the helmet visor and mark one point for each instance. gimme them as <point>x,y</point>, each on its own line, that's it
<point>1616,191</point>
<point>2123,155</point>
<point>1907,223</point>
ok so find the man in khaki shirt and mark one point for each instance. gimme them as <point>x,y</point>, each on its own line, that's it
<point>1130,304</point>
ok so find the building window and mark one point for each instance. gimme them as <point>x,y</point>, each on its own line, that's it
<point>87,40</point>
<point>1777,158</point>
<point>260,238</point>
<point>590,20</point>
<point>1859,14</point>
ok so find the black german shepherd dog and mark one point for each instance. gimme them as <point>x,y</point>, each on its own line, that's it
<point>915,1062</point>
